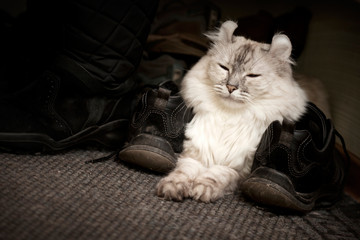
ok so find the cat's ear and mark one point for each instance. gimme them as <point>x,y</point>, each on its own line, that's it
<point>281,47</point>
<point>225,32</point>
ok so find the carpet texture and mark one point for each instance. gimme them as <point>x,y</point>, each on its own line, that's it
<point>61,197</point>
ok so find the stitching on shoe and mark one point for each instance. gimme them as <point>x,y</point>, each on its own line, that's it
<point>288,154</point>
<point>164,120</point>
<point>146,112</point>
<point>272,131</point>
<point>50,107</point>
<point>306,169</point>
<point>134,122</point>
<point>319,115</point>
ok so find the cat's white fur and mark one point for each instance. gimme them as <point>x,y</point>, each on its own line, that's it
<point>227,127</point>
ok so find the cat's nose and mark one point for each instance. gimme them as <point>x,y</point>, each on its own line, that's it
<point>231,88</point>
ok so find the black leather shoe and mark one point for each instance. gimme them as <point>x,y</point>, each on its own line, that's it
<point>296,166</point>
<point>54,114</point>
<point>157,129</point>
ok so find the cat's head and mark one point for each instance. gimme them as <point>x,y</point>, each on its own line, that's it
<point>243,70</point>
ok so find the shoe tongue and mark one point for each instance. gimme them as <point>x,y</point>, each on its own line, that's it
<point>270,137</point>
<point>314,121</point>
<point>317,123</point>
<point>162,98</point>
<point>287,133</point>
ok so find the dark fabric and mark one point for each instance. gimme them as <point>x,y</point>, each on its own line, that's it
<point>107,37</point>
<point>61,197</point>
<point>72,72</point>
<point>101,40</point>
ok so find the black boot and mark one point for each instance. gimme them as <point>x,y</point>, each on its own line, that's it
<point>53,114</point>
<point>157,129</point>
<point>84,91</point>
<point>296,166</point>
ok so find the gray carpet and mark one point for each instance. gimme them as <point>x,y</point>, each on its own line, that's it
<point>60,197</point>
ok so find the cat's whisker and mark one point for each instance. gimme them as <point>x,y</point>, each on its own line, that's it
<point>247,98</point>
<point>245,94</point>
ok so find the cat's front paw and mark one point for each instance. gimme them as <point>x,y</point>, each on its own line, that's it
<point>206,190</point>
<point>174,187</point>
<point>214,183</point>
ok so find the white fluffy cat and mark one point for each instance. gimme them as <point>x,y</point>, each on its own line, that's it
<point>236,90</point>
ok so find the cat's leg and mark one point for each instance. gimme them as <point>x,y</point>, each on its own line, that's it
<point>177,184</point>
<point>214,183</point>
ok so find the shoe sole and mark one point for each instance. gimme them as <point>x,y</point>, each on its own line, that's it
<point>110,135</point>
<point>150,152</point>
<point>268,192</point>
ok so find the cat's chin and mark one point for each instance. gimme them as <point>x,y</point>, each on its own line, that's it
<point>232,102</point>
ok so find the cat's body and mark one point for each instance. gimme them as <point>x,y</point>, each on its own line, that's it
<point>236,91</point>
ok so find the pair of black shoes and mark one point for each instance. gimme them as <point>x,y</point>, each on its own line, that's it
<point>296,165</point>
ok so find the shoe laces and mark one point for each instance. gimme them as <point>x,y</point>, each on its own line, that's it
<point>105,158</point>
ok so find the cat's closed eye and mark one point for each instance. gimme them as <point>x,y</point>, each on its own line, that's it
<point>223,67</point>
<point>252,75</point>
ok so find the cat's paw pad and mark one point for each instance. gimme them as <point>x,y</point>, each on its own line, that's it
<point>174,189</point>
<point>206,190</point>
